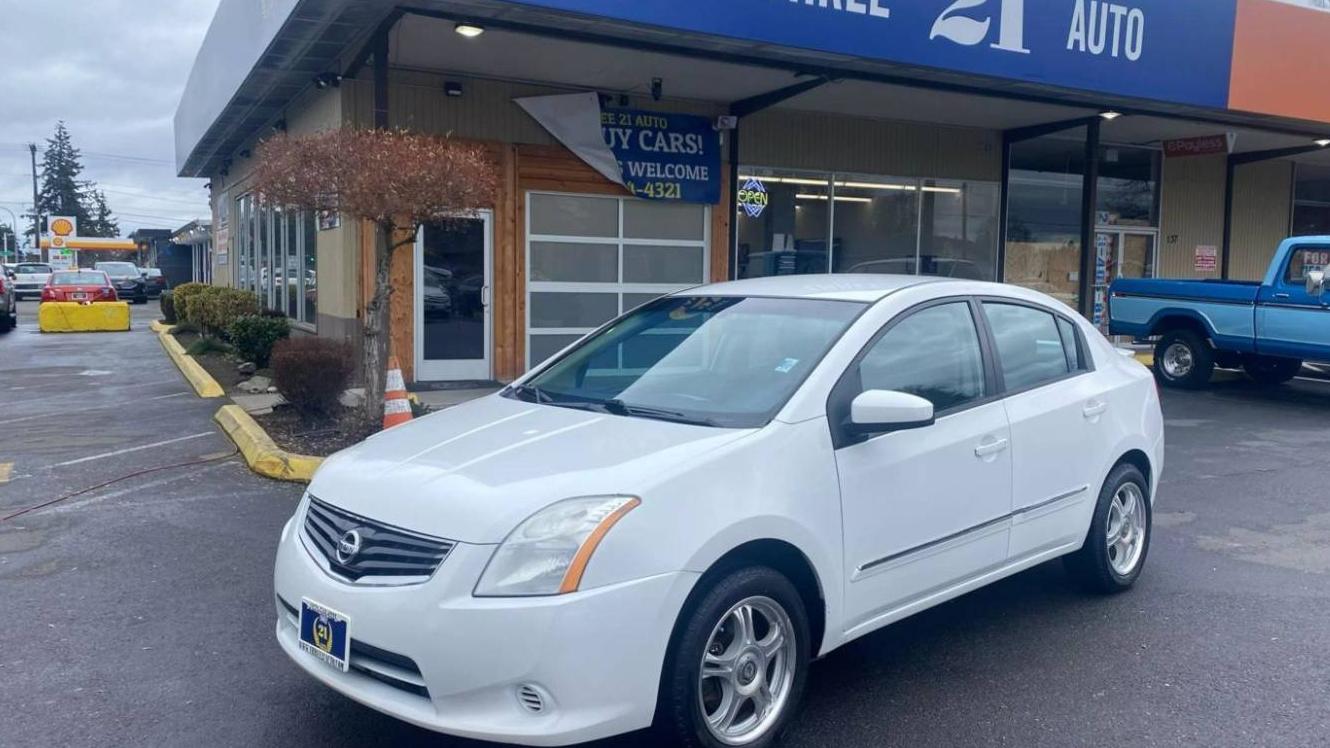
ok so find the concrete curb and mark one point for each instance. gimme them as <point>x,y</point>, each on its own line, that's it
<point>263,456</point>
<point>158,326</point>
<point>198,377</point>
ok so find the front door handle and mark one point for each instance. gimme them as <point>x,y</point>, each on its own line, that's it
<point>1281,296</point>
<point>485,296</point>
<point>1095,409</point>
<point>990,448</point>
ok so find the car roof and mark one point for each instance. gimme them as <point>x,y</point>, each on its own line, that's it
<point>867,287</point>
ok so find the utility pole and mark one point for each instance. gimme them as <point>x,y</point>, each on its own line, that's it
<point>36,214</point>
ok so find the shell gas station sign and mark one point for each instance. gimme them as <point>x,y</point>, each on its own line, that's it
<point>62,241</point>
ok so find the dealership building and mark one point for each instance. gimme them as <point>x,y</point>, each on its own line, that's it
<point>645,146</point>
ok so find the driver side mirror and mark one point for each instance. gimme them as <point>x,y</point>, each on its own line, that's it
<point>882,411</point>
<point>1315,282</point>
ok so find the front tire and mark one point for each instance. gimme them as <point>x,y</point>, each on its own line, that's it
<point>1271,371</point>
<point>736,669</point>
<point>1118,541</point>
<point>1184,359</point>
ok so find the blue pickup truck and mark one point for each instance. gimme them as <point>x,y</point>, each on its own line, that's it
<point>1268,328</point>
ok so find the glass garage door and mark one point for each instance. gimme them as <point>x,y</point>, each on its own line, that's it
<point>589,258</point>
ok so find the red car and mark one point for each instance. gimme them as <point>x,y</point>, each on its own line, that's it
<point>84,286</point>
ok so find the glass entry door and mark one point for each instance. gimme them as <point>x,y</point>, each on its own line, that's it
<point>452,299</point>
<point>1120,254</point>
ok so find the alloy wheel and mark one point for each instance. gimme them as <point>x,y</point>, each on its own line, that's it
<point>1126,529</point>
<point>747,671</point>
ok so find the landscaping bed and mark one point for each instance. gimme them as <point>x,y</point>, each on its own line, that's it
<point>314,437</point>
<point>220,366</point>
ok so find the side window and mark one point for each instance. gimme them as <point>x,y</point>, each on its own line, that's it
<point>1070,345</point>
<point>1030,345</point>
<point>1304,260</point>
<point>933,353</point>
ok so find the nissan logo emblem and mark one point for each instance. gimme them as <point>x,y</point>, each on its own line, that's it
<point>348,546</point>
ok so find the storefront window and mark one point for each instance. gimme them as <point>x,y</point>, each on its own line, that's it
<point>1311,206</point>
<point>1044,216</point>
<point>784,220</point>
<point>1128,187</point>
<point>959,228</point>
<point>875,225</point>
<point>800,222</point>
<point>275,257</point>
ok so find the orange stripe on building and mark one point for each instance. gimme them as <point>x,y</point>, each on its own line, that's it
<point>1278,51</point>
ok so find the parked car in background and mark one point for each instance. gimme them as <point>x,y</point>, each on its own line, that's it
<point>1269,328</point>
<point>127,279</point>
<point>8,301</point>
<point>672,518</point>
<point>81,286</point>
<point>154,281</point>
<point>30,277</point>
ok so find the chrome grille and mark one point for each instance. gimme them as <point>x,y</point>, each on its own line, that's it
<point>382,551</point>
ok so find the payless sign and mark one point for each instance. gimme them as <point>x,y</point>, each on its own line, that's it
<point>665,156</point>
<point>1170,50</point>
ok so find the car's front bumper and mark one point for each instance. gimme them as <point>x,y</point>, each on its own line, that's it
<point>594,656</point>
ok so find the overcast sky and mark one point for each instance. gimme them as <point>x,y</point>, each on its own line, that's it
<point>113,70</point>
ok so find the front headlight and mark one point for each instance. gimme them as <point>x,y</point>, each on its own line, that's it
<point>547,553</point>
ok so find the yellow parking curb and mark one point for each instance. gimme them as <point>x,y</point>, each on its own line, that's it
<point>198,377</point>
<point>263,456</point>
<point>1146,358</point>
<point>159,327</point>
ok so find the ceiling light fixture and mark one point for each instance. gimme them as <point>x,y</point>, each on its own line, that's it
<point>1323,142</point>
<point>1110,115</point>
<point>469,30</point>
<point>839,198</point>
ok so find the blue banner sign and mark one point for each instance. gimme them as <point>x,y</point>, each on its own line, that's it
<point>1167,50</point>
<point>665,156</point>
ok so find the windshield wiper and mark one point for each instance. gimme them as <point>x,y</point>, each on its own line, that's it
<point>620,408</point>
<point>537,393</point>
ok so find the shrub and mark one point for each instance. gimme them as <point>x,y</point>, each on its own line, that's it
<point>191,307</point>
<point>254,336</point>
<point>180,296</point>
<point>207,345</point>
<point>222,306</point>
<point>183,328</point>
<point>311,373</point>
<point>168,308</point>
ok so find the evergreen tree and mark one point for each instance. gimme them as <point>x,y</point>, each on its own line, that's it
<point>62,193</point>
<point>100,221</point>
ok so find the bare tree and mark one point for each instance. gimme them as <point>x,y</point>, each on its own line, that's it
<point>393,178</point>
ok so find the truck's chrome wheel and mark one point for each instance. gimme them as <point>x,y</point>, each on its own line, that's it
<point>747,671</point>
<point>1126,529</point>
<point>1178,361</point>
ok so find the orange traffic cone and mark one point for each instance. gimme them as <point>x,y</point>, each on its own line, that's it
<point>396,408</point>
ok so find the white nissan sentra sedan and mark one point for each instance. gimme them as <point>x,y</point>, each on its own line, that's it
<point>667,521</point>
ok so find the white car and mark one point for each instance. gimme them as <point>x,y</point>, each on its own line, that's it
<point>30,277</point>
<point>665,522</point>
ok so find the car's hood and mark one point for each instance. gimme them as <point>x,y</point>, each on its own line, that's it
<point>472,472</point>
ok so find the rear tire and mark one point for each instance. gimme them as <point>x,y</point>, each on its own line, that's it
<point>1271,371</point>
<point>1118,541</point>
<point>1184,359</point>
<point>771,667</point>
<point>8,322</point>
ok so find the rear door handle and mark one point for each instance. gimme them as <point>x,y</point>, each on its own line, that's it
<point>1094,409</point>
<point>990,448</point>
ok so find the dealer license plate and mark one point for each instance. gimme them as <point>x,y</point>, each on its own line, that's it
<point>324,633</point>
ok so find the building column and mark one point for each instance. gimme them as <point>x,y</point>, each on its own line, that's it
<point>1089,202</point>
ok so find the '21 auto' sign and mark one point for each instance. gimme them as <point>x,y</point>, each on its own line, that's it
<point>1169,50</point>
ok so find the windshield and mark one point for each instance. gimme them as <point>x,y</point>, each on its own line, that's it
<point>119,269</point>
<point>716,361</point>
<point>79,278</point>
<point>30,268</point>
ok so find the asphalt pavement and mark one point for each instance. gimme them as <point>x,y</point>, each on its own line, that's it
<point>141,613</point>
